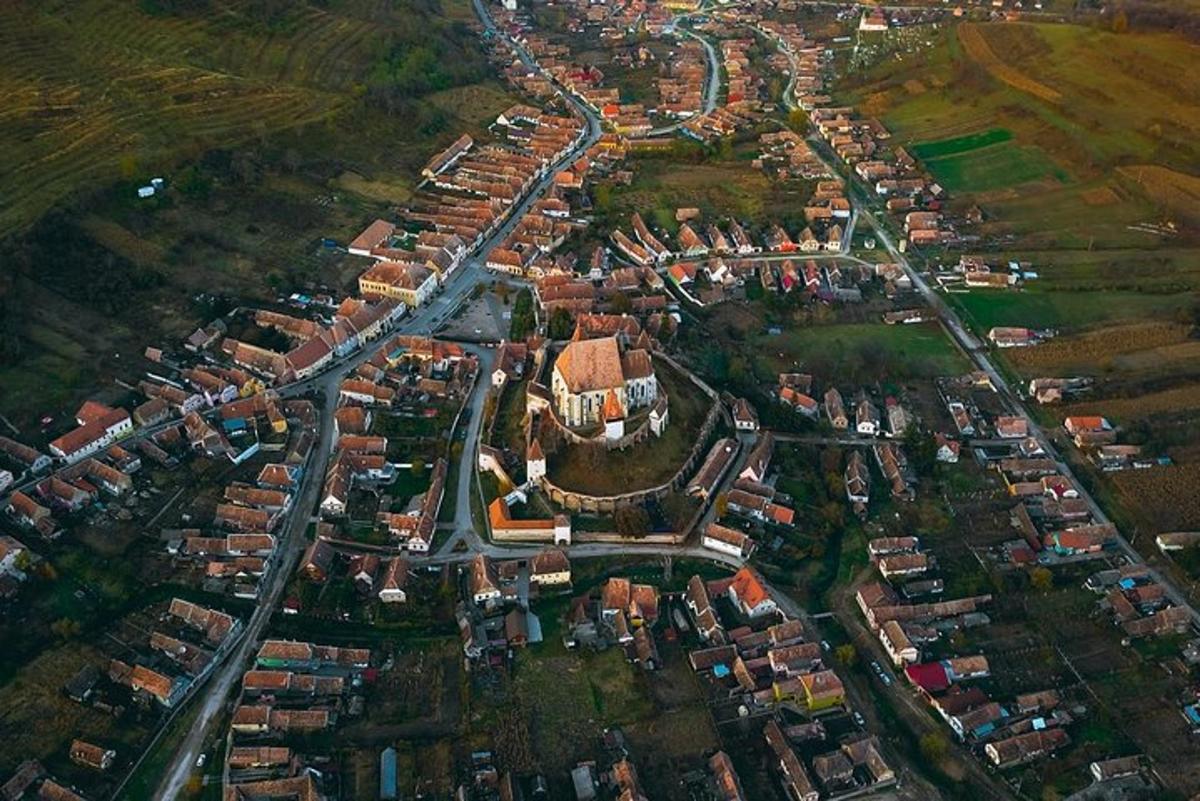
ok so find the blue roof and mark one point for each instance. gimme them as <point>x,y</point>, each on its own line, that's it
<point>721,671</point>
<point>1193,713</point>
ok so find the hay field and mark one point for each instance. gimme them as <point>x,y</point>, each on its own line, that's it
<point>977,47</point>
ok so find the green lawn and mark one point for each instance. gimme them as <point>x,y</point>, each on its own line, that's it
<point>985,309</point>
<point>866,351</point>
<point>994,167</point>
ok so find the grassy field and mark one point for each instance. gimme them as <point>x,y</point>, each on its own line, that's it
<point>729,188</point>
<point>876,351</point>
<point>961,144</point>
<point>272,130</point>
<point>992,167</point>
<point>1034,308</point>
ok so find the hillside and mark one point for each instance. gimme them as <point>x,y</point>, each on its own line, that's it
<point>275,124</point>
<point>1054,110</point>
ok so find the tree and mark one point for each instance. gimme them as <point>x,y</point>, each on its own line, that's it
<point>934,746</point>
<point>921,450</point>
<point>1120,23</point>
<point>632,521</point>
<point>847,654</point>
<point>798,121</point>
<point>65,628</point>
<point>1042,579</point>
<point>561,325</point>
<point>418,467</point>
<point>602,197</point>
<point>721,505</point>
<point>620,303</point>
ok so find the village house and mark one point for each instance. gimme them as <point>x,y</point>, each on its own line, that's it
<point>395,576</point>
<point>484,582</point>
<point>749,596</point>
<point>835,410</point>
<point>744,416</point>
<point>92,756</point>
<point>727,541</point>
<point>30,458</point>
<point>99,427</point>
<point>550,568</point>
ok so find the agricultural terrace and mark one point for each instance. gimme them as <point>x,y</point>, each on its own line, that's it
<point>272,132</point>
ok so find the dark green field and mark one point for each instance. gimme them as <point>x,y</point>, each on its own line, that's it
<point>961,144</point>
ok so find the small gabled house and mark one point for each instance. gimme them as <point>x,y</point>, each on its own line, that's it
<point>484,581</point>
<point>835,410</point>
<point>550,568</point>
<point>395,577</point>
<point>92,756</point>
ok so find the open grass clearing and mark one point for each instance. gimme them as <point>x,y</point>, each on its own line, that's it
<point>718,189</point>
<point>875,350</point>
<point>997,166</point>
<point>1033,308</point>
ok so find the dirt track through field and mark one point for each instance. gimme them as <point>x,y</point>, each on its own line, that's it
<point>977,47</point>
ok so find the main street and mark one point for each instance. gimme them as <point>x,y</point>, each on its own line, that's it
<point>325,388</point>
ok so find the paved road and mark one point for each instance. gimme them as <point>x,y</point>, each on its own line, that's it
<point>711,87</point>
<point>291,543</point>
<point>325,385</point>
